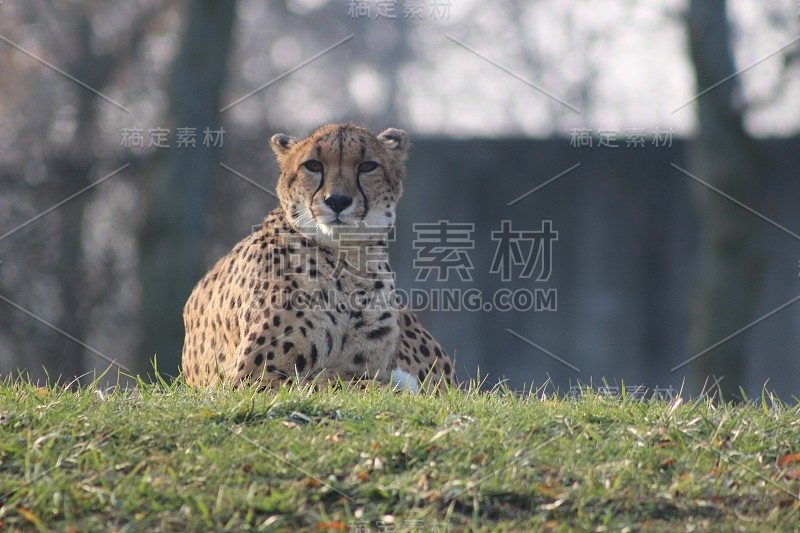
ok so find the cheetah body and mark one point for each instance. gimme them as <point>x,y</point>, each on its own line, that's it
<point>309,295</point>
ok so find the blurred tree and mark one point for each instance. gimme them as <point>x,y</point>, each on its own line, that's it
<point>724,156</point>
<point>71,165</point>
<point>171,242</point>
<point>68,162</point>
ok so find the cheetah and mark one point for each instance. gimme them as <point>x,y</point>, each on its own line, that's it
<point>309,296</point>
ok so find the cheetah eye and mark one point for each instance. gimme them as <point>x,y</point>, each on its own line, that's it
<point>367,166</point>
<point>312,165</point>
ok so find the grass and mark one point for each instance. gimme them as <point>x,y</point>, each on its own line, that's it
<point>167,457</point>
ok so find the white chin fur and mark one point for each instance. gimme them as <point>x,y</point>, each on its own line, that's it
<point>326,229</point>
<point>322,227</point>
<point>378,219</point>
<point>402,380</point>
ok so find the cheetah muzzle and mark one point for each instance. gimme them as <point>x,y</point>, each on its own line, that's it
<point>309,296</point>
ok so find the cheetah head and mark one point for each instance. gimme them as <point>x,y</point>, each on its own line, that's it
<point>341,179</point>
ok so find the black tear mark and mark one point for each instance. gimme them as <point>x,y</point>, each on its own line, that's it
<point>363,196</point>
<point>329,341</point>
<point>322,176</point>
<point>378,333</point>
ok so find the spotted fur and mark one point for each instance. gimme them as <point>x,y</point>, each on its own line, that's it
<point>310,295</point>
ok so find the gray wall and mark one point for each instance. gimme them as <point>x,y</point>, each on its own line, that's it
<point>623,266</point>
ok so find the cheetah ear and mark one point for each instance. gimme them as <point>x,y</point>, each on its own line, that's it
<point>281,144</point>
<point>395,139</point>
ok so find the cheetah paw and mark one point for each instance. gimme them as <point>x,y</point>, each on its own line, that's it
<point>402,380</point>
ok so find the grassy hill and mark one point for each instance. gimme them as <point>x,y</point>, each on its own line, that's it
<point>166,457</point>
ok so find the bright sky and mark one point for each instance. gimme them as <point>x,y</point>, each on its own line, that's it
<point>622,64</point>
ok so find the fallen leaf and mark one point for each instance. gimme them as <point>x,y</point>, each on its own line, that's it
<point>29,516</point>
<point>794,473</point>
<point>789,458</point>
<point>439,434</point>
<point>334,525</point>
<point>480,458</point>
<point>313,482</point>
<point>555,505</point>
<point>551,488</point>
<point>667,464</point>
<point>335,438</point>
<point>711,501</point>
<point>423,484</point>
<point>648,524</point>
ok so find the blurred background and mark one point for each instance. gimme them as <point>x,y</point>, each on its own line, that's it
<point>600,190</point>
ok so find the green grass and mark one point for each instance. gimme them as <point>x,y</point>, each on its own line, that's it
<point>171,458</point>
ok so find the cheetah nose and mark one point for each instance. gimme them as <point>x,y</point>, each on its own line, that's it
<point>338,202</point>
